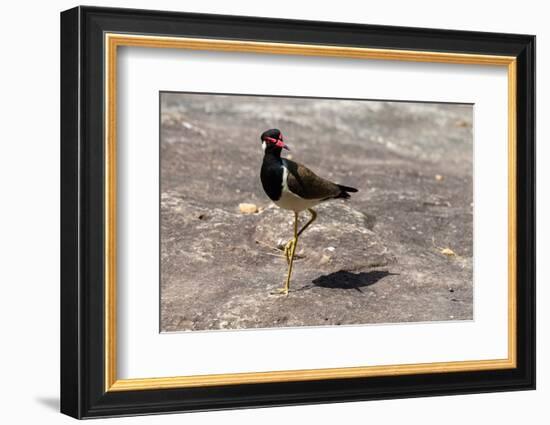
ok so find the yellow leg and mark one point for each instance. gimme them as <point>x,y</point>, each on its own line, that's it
<point>311,220</point>
<point>290,243</point>
<point>290,249</point>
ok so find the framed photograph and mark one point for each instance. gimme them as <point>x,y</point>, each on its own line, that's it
<point>261,212</point>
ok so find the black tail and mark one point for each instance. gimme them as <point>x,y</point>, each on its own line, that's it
<point>344,191</point>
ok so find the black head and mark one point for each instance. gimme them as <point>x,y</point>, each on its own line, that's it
<point>272,140</point>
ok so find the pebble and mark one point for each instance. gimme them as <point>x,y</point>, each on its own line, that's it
<point>324,260</point>
<point>448,252</point>
<point>248,208</point>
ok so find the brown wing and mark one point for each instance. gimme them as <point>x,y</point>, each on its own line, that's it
<point>308,185</point>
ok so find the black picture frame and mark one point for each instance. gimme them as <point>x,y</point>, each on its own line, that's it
<point>83,392</point>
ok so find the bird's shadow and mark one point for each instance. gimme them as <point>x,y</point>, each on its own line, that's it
<point>343,279</point>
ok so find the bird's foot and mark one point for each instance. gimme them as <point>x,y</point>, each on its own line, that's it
<point>288,250</point>
<point>280,291</point>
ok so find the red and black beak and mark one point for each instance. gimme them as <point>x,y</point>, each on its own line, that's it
<point>281,144</point>
<point>278,142</point>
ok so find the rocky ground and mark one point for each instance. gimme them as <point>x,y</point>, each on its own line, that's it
<point>400,250</point>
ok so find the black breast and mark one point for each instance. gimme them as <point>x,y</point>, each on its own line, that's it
<point>272,176</point>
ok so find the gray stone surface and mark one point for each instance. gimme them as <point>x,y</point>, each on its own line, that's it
<point>376,258</point>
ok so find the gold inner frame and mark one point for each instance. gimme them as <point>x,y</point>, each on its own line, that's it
<point>113,41</point>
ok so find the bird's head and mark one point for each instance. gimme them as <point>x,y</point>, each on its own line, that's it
<point>273,140</point>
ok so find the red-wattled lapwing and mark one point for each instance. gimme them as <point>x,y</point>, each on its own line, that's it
<point>294,187</point>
